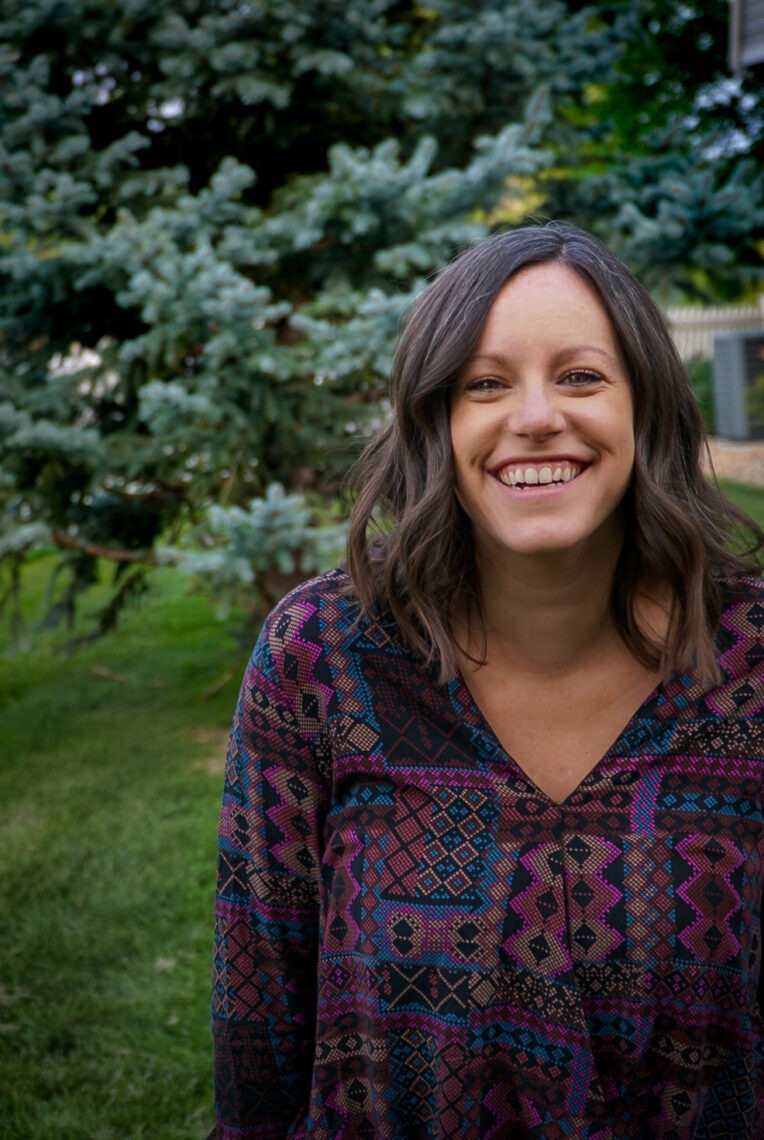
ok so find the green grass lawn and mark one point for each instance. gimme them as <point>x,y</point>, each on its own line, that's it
<point>110,783</point>
<point>749,499</point>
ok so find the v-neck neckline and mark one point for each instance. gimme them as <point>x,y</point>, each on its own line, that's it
<point>635,723</point>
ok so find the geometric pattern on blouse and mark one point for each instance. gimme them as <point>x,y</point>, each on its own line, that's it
<point>413,941</point>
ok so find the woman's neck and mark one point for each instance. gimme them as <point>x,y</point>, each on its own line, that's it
<point>553,615</point>
<point>546,614</point>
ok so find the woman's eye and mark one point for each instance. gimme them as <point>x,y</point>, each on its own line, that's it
<point>580,378</point>
<point>484,384</point>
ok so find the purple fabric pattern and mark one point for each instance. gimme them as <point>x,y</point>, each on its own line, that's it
<point>414,942</point>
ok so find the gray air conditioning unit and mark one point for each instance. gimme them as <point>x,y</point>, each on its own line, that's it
<point>739,384</point>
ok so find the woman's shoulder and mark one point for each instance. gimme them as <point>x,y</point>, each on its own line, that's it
<point>320,611</point>
<point>319,628</point>
<point>740,633</point>
<point>742,591</point>
<point>317,638</point>
<point>325,592</point>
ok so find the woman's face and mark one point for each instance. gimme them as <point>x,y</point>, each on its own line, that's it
<point>542,422</point>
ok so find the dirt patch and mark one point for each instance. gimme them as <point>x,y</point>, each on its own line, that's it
<point>215,742</point>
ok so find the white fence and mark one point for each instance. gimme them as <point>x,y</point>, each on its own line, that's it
<point>693,326</point>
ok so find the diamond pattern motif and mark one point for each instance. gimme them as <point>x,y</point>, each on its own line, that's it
<point>412,941</point>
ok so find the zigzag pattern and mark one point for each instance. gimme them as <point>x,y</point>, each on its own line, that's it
<point>414,943</point>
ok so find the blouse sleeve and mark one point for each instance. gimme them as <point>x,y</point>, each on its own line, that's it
<point>266,933</point>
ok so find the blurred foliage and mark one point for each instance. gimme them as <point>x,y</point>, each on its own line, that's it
<point>667,160</point>
<point>257,552</point>
<point>700,371</point>
<point>755,404</point>
<point>215,215</point>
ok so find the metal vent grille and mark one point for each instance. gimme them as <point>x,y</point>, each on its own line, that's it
<point>739,384</point>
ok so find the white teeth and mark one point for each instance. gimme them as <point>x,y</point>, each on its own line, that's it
<point>533,476</point>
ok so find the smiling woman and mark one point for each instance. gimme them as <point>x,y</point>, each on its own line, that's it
<point>677,527</point>
<point>492,838</point>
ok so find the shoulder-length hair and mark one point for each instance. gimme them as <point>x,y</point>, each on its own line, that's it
<point>410,550</point>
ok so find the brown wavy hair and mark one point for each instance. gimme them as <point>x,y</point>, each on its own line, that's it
<point>410,551</point>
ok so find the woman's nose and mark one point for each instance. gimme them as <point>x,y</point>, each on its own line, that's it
<point>536,412</point>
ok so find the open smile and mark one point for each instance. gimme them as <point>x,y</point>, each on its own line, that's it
<point>521,476</point>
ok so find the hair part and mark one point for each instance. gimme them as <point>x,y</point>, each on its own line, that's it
<point>410,549</point>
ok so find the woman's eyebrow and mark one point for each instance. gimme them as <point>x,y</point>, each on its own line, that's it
<point>563,354</point>
<point>576,349</point>
<point>489,357</point>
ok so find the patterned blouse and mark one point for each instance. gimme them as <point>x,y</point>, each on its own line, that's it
<point>414,942</point>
